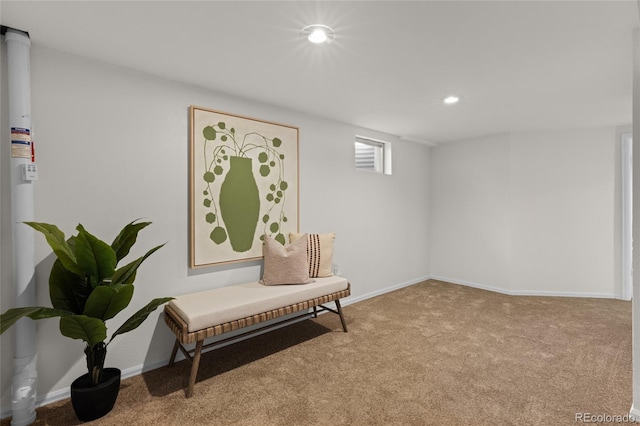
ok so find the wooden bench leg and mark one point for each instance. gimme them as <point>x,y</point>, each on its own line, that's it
<point>194,367</point>
<point>344,324</point>
<point>173,353</point>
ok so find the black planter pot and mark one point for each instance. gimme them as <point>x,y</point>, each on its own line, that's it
<point>92,402</point>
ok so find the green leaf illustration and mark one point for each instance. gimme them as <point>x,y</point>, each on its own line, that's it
<point>209,133</point>
<point>218,235</point>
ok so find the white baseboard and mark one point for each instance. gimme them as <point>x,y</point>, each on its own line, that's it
<point>635,413</point>
<point>355,299</point>
<point>524,292</point>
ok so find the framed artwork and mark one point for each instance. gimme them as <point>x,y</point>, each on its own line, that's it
<point>244,184</point>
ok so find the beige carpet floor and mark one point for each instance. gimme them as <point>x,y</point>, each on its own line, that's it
<point>429,354</point>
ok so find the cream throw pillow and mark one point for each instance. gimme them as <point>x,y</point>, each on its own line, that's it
<point>284,265</point>
<point>319,253</point>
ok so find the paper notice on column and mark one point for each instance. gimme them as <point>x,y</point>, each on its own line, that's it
<point>20,142</point>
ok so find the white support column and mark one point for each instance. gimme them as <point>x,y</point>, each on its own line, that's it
<point>23,396</point>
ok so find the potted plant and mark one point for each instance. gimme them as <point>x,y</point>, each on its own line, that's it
<point>87,288</point>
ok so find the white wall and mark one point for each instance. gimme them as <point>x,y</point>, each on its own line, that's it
<point>528,213</point>
<point>470,214</point>
<point>635,408</point>
<point>112,146</point>
<point>563,211</point>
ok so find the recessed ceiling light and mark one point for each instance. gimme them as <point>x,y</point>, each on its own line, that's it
<point>318,33</point>
<point>451,99</point>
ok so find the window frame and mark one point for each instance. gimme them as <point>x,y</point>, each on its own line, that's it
<point>382,153</point>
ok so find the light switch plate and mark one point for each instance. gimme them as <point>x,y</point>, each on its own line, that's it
<point>29,172</point>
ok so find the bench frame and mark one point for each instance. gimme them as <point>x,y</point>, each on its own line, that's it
<point>183,336</point>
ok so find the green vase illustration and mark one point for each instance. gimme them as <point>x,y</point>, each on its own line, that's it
<point>236,206</point>
<point>240,203</point>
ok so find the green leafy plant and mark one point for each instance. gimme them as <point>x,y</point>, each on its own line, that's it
<point>87,288</point>
<point>226,144</point>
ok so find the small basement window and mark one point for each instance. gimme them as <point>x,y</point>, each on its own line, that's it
<point>373,155</point>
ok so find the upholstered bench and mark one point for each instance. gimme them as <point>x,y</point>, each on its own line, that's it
<point>197,316</point>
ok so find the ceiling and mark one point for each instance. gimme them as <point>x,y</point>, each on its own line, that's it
<point>517,65</point>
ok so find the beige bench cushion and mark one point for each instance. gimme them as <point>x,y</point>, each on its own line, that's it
<point>212,307</point>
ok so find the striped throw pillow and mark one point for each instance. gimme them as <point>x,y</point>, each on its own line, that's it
<point>319,253</point>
